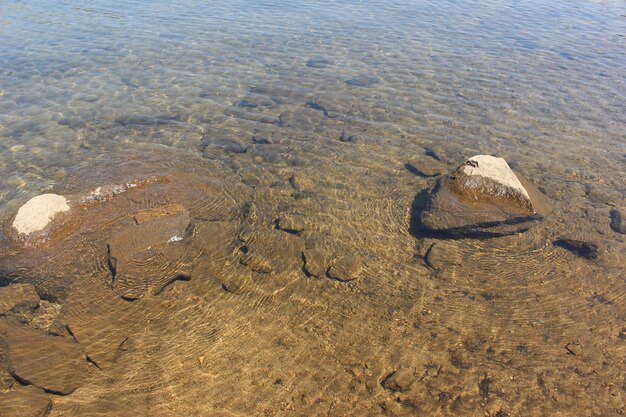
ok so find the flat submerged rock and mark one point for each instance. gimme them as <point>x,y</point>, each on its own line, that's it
<point>52,363</point>
<point>25,401</point>
<point>18,296</point>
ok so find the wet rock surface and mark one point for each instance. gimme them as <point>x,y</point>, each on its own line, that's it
<point>482,197</point>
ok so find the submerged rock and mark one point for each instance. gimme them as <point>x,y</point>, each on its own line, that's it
<point>272,251</point>
<point>319,62</point>
<point>18,296</point>
<point>363,81</point>
<point>6,379</point>
<point>26,401</point>
<point>315,262</point>
<point>346,268</point>
<point>399,381</point>
<point>482,197</point>
<point>618,221</point>
<point>52,363</point>
<point>301,185</point>
<point>349,137</point>
<point>99,327</point>
<point>581,244</point>
<point>38,212</point>
<point>291,223</point>
<point>135,228</point>
<point>425,166</point>
<point>139,255</point>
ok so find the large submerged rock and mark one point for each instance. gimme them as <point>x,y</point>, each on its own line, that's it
<point>131,223</point>
<point>483,197</point>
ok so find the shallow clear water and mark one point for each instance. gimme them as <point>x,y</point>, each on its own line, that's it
<point>79,80</point>
<point>344,94</point>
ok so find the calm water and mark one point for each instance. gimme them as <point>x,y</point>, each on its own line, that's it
<point>344,93</point>
<point>78,81</point>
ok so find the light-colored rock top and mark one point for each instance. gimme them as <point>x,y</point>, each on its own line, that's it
<point>495,168</point>
<point>38,212</point>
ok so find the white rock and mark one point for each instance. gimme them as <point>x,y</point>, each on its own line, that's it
<point>38,212</point>
<point>495,168</point>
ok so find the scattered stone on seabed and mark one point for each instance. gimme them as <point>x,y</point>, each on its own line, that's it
<point>315,262</point>
<point>52,363</point>
<point>225,139</point>
<point>603,194</point>
<point>248,104</point>
<point>574,348</point>
<point>38,212</point>
<point>18,296</point>
<point>442,255</point>
<point>25,401</point>
<point>425,166</point>
<point>258,140</point>
<point>228,145</point>
<point>346,268</point>
<point>292,223</point>
<point>312,104</point>
<point>319,62</point>
<point>618,220</point>
<point>301,184</point>
<point>235,281</point>
<point>482,197</point>
<point>268,250</point>
<point>349,137</point>
<point>581,244</point>
<point>303,118</point>
<point>400,380</point>
<point>363,81</point>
